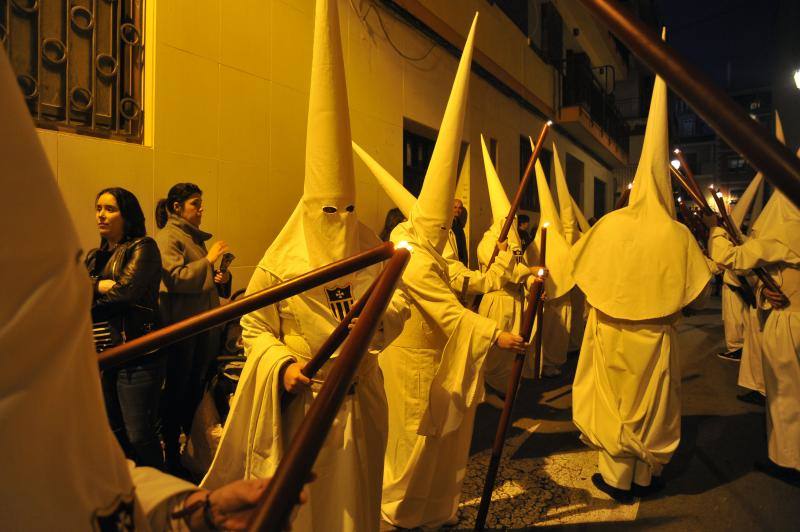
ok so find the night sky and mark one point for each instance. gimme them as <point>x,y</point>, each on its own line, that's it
<point>713,33</point>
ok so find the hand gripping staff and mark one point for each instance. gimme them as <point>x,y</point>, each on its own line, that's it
<point>533,309</point>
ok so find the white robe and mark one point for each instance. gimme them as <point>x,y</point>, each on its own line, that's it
<point>557,319</point>
<point>751,367</point>
<point>505,307</point>
<point>733,310</point>
<point>262,422</point>
<point>432,373</point>
<point>780,339</point>
<point>626,396</point>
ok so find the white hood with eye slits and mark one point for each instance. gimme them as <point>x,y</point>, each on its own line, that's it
<point>323,227</point>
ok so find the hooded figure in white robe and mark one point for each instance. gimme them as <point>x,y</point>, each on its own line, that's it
<point>62,467</point>
<point>322,229</point>
<point>740,320</point>
<point>559,282</point>
<point>432,370</point>
<point>743,325</point>
<point>774,244</point>
<point>505,305</point>
<point>638,268</point>
<point>477,282</point>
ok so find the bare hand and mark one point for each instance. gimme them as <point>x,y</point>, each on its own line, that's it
<point>221,277</point>
<point>232,505</point>
<point>105,285</point>
<point>352,323</point>
<point>511,341</point>
<point>502,246</point>
<point>776,299</point>
<point>293,380</point>
<point>217,249</point>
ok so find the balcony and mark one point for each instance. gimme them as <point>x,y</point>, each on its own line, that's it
<point>587,109</point>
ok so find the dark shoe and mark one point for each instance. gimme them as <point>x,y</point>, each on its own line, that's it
<point>731,356</point>
<point>784,474</point>
<point>753,398</point>
<point>656,485</point>
<point>621,496</point>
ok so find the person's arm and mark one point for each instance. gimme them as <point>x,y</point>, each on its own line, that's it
<point>180,276</point>
<point>140,270</point>
<point>478,282</point>
<point>261,332</point>
<point>754,253</point>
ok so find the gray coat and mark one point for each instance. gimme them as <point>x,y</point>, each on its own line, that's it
<point>187,278</point>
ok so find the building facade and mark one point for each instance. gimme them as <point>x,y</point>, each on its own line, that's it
<point>225,94</point>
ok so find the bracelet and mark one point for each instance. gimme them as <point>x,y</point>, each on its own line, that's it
<point>205,504</point>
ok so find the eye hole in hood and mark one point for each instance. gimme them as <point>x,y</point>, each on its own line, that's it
<point>329,209</point>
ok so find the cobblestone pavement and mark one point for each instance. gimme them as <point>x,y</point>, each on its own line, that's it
<point>544,478</point>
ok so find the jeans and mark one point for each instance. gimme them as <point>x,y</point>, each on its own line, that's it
<point>132,396</point>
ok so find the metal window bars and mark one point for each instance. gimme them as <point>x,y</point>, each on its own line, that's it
<point>78,63</point>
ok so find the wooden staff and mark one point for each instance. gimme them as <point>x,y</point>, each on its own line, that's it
<point>148,343</point>
<point>526,177</point>
<point>533,304</point>
<point>283,490</point>
<point>690,179</point>
<point>691,222</point>
<point>696,196</point>
<point>623,198</point>
<point>733,231</point>
<point>534,308</point>
<point>746,136</point>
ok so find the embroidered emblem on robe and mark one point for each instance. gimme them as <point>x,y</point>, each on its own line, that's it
<point>340,299</point>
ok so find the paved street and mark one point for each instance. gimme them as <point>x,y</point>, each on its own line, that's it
<point>711,483</point>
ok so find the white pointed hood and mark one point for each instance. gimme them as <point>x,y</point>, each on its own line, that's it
<point>559,279</point>
<point>569,221</point>
<point>432,214</point>
<point>500,208</point>
<point>56,433</point>
<point>323,227</point>
<point>638,262</point>
<point>780,220</point>
<point>742,207</point>
<point>399,195</point>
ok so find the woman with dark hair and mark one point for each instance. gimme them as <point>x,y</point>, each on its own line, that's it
<point>393,217</point>
<point>126,273</point>
<point>191,285</point>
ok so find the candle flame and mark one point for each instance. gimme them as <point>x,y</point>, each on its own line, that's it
<point>403,244</point>
<point>546,225</point>
<point>540,273</point>
<point>630,186</point>
<point>676,164</point>
<point>719,194</point>
<point>680,199</point>
<point>549,123</point>
<point>676,151</point>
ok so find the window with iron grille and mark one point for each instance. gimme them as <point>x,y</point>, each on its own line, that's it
<point>78,63</point>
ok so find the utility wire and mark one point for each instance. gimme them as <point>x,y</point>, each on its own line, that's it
<point>363,18</point>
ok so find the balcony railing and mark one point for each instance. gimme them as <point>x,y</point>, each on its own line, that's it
<point>580,87</point>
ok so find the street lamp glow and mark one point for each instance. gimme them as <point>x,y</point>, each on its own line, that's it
<point>797,78</point>
<point>676,164</point>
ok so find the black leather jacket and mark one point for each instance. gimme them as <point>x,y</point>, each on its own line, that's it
<point>132,305</point>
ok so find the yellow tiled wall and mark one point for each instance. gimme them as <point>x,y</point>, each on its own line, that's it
<point>228,94</point>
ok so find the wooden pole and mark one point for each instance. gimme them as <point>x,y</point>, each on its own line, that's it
<point>526,177</point>
<point>623,198</point>
<point>780,166</point>
<point>206,320</point>
<point>283,490</point>
<point>531,309</point>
